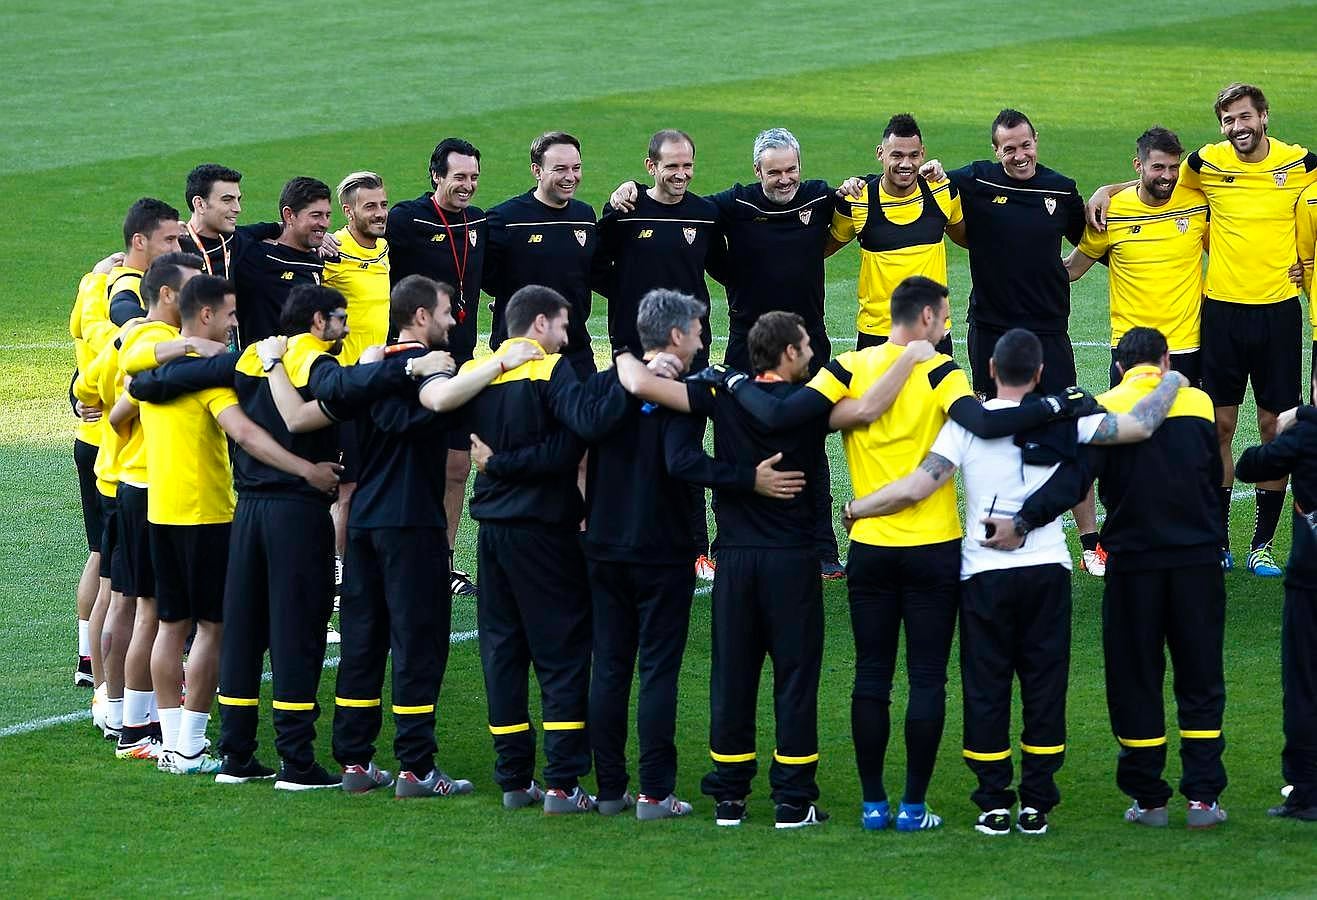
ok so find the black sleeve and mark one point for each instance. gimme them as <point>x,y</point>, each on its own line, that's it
<point>1195,161</point>
<point>260,231</point>
<point>684,457</point>
<point>961,177</point>
<point>559,452</point>
<point>184,375</point>
<point>1068,485</point>
<point>397,414</point>
<point>969,413</point>
<point>1074,226</point>
<point>716,261</point>
<point>1279,457</point>
<point>778,414</point>
<point>592,408</point>
<point>603,269</point>
<point>344,390</point>
<point>125,305</point>
<point>492,275</point>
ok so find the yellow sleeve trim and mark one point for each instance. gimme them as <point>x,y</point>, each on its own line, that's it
<point>564,726</point>
<point>413,710</point>
<point>1042,751</point>
<point>293,707</point>
<point>238,701</point>
<point>996,756</point>
<point>1206,735</point>
<point>360,704</point>
<point>731,757</point>
<point>509,729</point>
<point>795,760</point>
<point>1142,742</point>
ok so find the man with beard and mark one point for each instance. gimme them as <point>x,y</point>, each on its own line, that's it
<point>442,236</point>
<point>1154,240</point>
<point>266,271</point>
<point>899,220</point>
<point>1252,320</point>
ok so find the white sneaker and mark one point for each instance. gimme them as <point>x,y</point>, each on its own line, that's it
<point>1095,562</point>
<point>332,636</point>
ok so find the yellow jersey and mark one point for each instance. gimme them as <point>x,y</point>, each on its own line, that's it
<point>1253,244</point>
<point>138,344</point>
<point>1306,232</point>
<point>187,459</point>
<point>893,445</point>
<point>98,384</point>
<point>361,275</point>
<point>85,346</point>
<point>1156,262</point>
<point>900,237</point>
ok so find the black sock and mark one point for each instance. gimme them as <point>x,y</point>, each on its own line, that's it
<point>1267,513</point>
<point>1226,494</point>
<point>1089,540</point>
<point>921,739</point>
<point>870,731</point>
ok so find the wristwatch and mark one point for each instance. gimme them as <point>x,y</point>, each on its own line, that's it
<point>407,367</point>
<point>269,366</point>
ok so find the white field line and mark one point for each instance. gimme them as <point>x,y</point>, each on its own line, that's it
<point>456,637</point>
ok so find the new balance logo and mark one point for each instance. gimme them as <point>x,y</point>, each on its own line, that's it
<point>438,239</point>
<point>646,233</point>
<point>535,239</point>
<point>1229,179</point>
<point>364,266</point>
<point>286,276</point>
<point>999,199</point>
<point>1135,229</point>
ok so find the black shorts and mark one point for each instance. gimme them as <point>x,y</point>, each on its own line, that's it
<point>84,460</point>
<point>109,533</point>
<point>1188,363</point>
<point>863,340</point>
<point>1258,342</point>
<point>1058,359</point>
<point>190,562</point>
<point>351,450</point>
<point>131,571</point>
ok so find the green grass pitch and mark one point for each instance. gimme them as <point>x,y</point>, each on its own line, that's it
<point>111,101</point>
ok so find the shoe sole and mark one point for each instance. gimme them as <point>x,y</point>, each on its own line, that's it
<point>728,823</point>
<point>786,825</point>
<point>221,778</point>
<point>991,832</point>
<point>82,681</point>
<point>656,815</point>
<point>1042,830</point>
<point>134,755</point>
<point>366,789</point>
<point>294,786</point>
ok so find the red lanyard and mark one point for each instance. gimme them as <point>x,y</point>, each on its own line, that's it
<point>205,254</point>
<point>460,266</point>
<point>770,377</point>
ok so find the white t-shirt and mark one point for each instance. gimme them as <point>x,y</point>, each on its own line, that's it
<point>997,482</point>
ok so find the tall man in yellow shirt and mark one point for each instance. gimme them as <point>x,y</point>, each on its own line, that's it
<point>190,514</point>
<point>1154,240</point>
<point>898,219</point>
<point>1251,323</point>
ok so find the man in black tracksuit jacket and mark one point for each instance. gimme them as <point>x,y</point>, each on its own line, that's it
<point>1294,452</point>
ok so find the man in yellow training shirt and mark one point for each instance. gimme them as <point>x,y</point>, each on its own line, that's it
<point>1154,240</point>
<point>898,220</point>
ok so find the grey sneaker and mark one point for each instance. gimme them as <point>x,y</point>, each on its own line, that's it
<point>1156,817</point>
<point>361,779</point>
<point>616,806</point>
<point>558,802</point>
<point>436,784</point>
<point>668,808</point>
<point>523,798</point>
<point>1204,815</point>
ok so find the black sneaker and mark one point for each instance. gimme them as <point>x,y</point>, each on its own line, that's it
<point>241,771</point>
<point>1031,821</point>
<point>313,779</point>
<point>789,816</point>
<point>1293,811</point>
<point>729,812</point>
<point>994,822</point>
<point>462,584</point>
<point>82,674</point>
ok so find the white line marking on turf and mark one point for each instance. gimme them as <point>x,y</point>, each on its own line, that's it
<point>456,637</point>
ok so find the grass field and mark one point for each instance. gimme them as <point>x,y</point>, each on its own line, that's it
<point>277,90</point>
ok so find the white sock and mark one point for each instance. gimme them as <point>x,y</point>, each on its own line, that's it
<point>114,712</point>
<point>155,710</point>
<point>84,637</point>
<point>169,720</point>
<point>136,708</point>
<point>192,732</point>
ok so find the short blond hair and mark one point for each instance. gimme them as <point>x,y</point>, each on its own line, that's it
<point>348,187</point>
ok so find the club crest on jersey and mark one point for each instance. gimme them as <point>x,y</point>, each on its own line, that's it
<point>580,236</point>
<point>1050,203</point>
<point>471,236</point>
<point>1182,224</point>
<point>689,235</point>
<point>805,215</point>
<point>1280,178</point>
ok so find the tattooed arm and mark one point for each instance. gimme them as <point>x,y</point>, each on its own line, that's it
<point>931,474</point>
<point>1140,422</point>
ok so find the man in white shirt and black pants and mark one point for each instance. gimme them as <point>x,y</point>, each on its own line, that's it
<point>1014,605</point>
